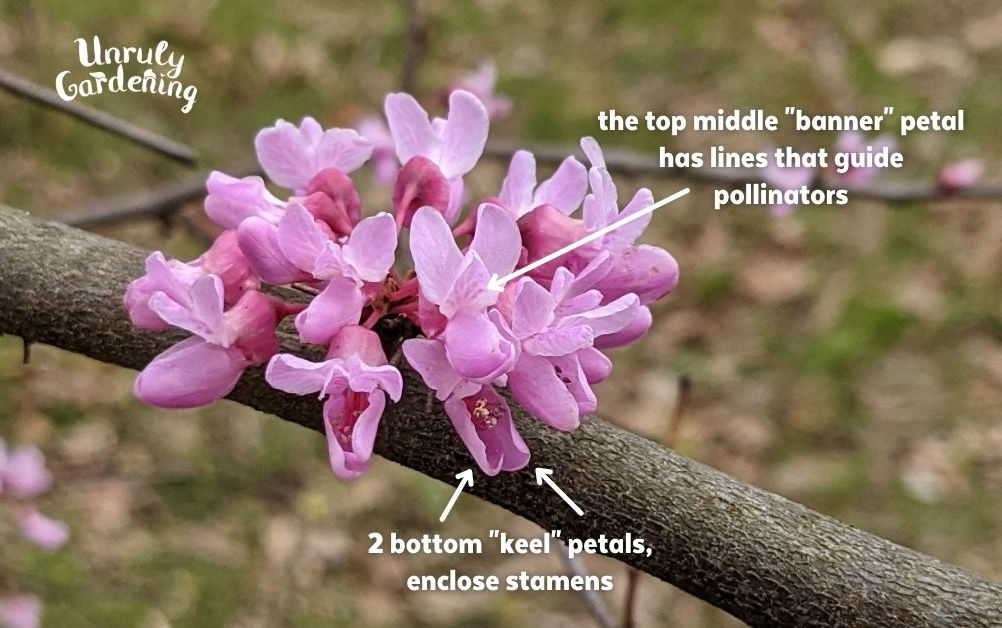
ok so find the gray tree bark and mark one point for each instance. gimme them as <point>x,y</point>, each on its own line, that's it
<point>758,556</point>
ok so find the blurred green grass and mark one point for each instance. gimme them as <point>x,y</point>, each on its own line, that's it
<point>847,358</point>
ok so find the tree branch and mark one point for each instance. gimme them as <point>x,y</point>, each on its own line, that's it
<point>758,556</point>
<point>105,121</point>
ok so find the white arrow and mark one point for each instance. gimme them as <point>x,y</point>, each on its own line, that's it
<point>497,284</point>
<point>466,477</point>
<point>543,475</point>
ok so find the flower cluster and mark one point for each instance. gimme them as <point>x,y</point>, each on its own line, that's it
<point>542,337</point>
<point>23,477</point>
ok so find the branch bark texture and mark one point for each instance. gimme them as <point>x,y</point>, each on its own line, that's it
<point>760,557</point>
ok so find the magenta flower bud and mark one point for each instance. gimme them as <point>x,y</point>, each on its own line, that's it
<point>419,183</point>
<point>225,259</point>
<point>960,174</point>
<point>340,189</point>
<point>546,229</point>
<point>329,213</point>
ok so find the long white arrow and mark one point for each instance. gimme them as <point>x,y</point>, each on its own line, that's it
<point>466,477</point>
<point>543,475</point>
<point>497,284</point>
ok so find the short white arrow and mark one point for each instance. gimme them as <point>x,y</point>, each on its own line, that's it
<point>543,475</point>
<point>466,477</point>
<point>497,284</point>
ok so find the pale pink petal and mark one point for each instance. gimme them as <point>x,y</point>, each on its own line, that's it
<point>300,238</point>
<point>410,128</point>
<point>337,305</point>
<point>342,149</point>
<point>559,341</point>
<point>437,259</point>
<point>497,240</point>
<point>572,375</point>
<point>647,271</point>
<point>601,207</point>
<point>24,475</point>
<point>258,240</point>
<point>476,348</point>
<point>532,308</point>
<point>192,373</point>
<point>469,290</point>
<point>285,152</point>
<point>594,364</point>
<point>626,235</point>
<point>44,532</point>
<point>231,200</point>
<point>519,184</point>
<point>297,375</point>
<point>428,358</point>
<point>350,463</point>
<point>565,189</point>
<point>631,333</point>
<point>464,136</point>
<point>593,152</point>
<point>538,388</point>
<point>607,319</point>
<point>371,247</point>
<point>203,317</point>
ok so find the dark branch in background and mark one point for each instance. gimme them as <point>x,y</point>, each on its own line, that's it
<point>415,42</point>
<point>158,202</point>
<point>138,135</point>
<point>758,556</point>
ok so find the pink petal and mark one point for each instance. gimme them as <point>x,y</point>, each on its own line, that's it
<point>297,375</point>
<point>250,324</point>
<point>437,259</point>
<point>559,341</point>
<point>285,153</point>
<point>339,304</point>
<point>632,332</point>
<point>204,316</point>
<point>594,364</point>
<point>428,358</point>
<point>20,611</point>
<point>572,375</point>
<point>300,238</point>
<point>358,341</point>
<point>371,247</point>
<point>593,152</point>
<point>258,240</point>
<point>24,475</point>
<point>46,533</point>
<point>537,387</point>
<point>231,200</point>
<point>469,290</point>
<point>647,271</point>
<point>565,189</point>
<point>601,207</point>
<point>476,349</point>
<point>343,149</point>
<point>609,318</point>
<point>410,128</point>
<point>628,233</point>
<point>497,240</point>
<point>519,184</point>
<point>464,136</point>
<point>532,308</point>
<point>192,373</point>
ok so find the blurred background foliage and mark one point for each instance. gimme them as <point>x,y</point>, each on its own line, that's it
<point>848,358</point>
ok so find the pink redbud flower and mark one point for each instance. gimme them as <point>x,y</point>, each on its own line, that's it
<point>451,147</point>
<point>292,155</point>
<point>206,367</point>
<point>231,200</point>
<point>456,283</point>
<point>479,415</point>
<point>960,174</point>
<point>20,611</point>
<point>354,380</point>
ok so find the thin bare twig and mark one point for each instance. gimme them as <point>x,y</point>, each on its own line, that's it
<point>593,601</point>
<point>416,40</point>
<point>138,135</point>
